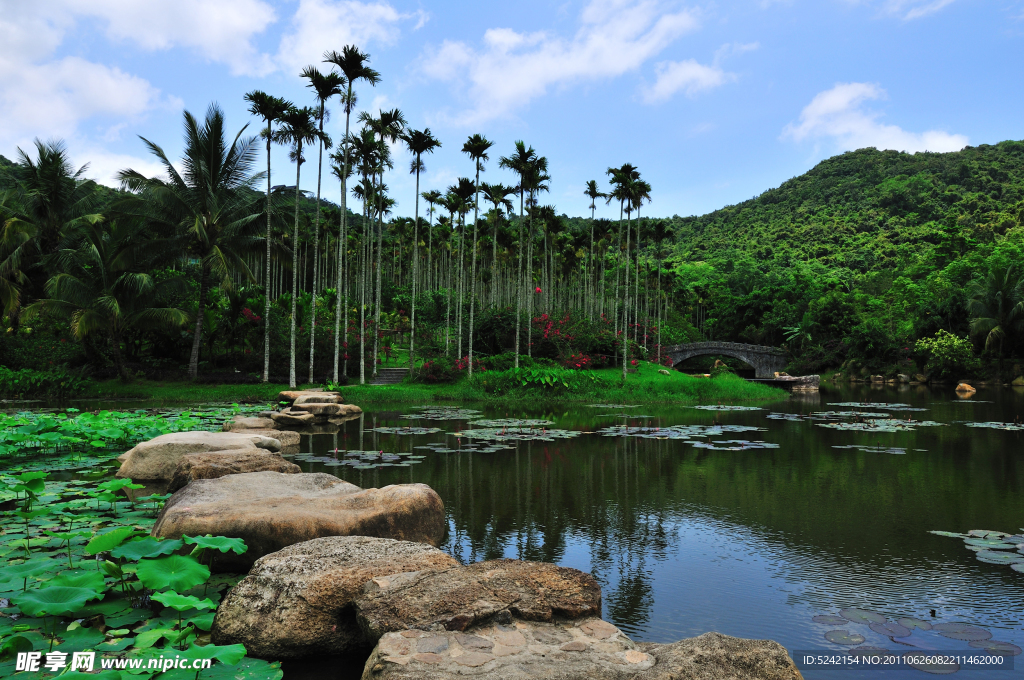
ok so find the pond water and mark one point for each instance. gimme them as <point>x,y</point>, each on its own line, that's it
<point>752,542</point>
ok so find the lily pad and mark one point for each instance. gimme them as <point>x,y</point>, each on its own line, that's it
<point>830,619</point>
<point>990,544</point>
<point>890,629</point>
<point>998,557</point>
<point>844,637</point>
<point>962,631</point>
<point>914,623</point>
<point>1011,427</point>
<point>865,616</point>
<point>950,534</point>
<point>733,445</point>
<point>407,430</point>
<point>511,422</point>
<point>996,647</point>
<point>726,407</point>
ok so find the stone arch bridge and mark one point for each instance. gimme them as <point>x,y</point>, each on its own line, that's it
<point>765,360</point>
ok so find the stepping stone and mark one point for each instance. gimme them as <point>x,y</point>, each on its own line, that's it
<point>297,602</point>
<point>566,650</point>
<point>292,418</point>
<point>242,423</point>
<point>158,458</point>
<point>193,466</point>
<point>458,598</point>
<point>271,510</point>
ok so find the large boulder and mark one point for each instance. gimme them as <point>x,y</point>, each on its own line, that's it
<point>193,466</point>
<point>290,439</point>
<point>332,410</point>
<point>271,511</point>
<point>964,388</point>
<point>291,418</point>
<point>297,602</point>
<point>713,656</point>
<point>587,649</point>
<point>457,598</point>
<point>292,395</point>
<point>243,423</point>
<point>317,398</point>
<point>157,459</point>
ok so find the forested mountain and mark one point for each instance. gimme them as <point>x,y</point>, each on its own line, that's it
<point>866,253</point>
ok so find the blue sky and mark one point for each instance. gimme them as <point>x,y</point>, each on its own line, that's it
<point>714,102</point>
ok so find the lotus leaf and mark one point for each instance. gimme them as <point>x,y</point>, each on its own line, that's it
<point>865,616</point>
<point>914,623</point>
<point>1018,566</point>
<point>1012,427</point>
<point>54,600</point>
<point>736,445</point>
<point>181,603</point>
<point>77,639</point>
<point>962,631</point>
<point>28,569</point>
<point>109,540</point>
<point>221,543</point>
<point>406,430</point>
<point>950,534</point>
<point>725,407</point>
<point>226,654</point>
<point>511,422</point>
<point>80,578</point>
<point>830,619</point>
<point>844,637</point>
<point>996,647</point>
<point>890,629</point>
<point>178,572</point>
<point>148,546</point>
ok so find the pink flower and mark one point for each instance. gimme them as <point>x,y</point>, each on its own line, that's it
<point>538,289</point>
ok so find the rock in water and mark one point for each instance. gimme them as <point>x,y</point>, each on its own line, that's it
<point>193,466</point>
<point>297,602</point>
<point>243,423</point>
<point>964,388</point>
<point>157,459</point>
<point>271,511</point>
<point>290,418</point>
<point>713,656</point>
<point>333,410</point>
<point>458,598</point>
<point>587,649</point>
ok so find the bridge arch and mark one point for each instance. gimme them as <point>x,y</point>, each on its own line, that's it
<point>765,360</point>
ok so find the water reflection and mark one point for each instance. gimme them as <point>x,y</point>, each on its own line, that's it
<point>750,543</point>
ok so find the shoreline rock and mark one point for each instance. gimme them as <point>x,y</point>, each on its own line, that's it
<point>193,466</point>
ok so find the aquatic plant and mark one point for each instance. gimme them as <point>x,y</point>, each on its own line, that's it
<point>993,547</point>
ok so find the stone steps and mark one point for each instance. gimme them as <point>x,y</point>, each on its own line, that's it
<point>390,376</point>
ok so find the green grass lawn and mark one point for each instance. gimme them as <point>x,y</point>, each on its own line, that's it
<point>647,385</point>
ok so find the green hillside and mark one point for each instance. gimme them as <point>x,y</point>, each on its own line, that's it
<point>863,255</point>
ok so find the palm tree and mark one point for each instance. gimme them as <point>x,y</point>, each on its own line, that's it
<point>521,162</point>
<point>463,191</point>
<point>324,86</point>
<point>476,148</point>
<point>210,205</point>
<point>432,197</point>
<point>270,109</point>
<point>101,289</point>
<point>418,143</point>
<point>535,181</point>
<point>353,65</point>
<point>389,126</point>
<point>497,194</point>
<point>996,306</point>
<point>298,128</point>
<point>593,193</point>
<point>661,231</point>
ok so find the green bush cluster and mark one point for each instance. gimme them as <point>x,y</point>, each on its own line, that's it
<point>57,383</point>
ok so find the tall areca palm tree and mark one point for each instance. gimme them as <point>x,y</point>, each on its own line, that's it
<point>497,194</point>
<point>298,128</point>
<point>102,288</point>
<point>418,142</point>
<point>432,197</point>
<point>270,109</point>
<point>535,181</point>
<point>210,206</point>
<point>388,126</point>
<point>325,86</point>
<point>476,148</point>
<point>996,306</point>
<point>593,193</point>
<point>521,163</point>
<point>353,64</point>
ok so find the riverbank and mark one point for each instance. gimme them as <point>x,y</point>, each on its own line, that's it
<point>646,385</point>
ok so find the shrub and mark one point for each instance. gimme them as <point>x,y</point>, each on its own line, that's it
<point>439,370</point>
<point>58,383</point>
<point>548,380</point>
<point>946,354</point>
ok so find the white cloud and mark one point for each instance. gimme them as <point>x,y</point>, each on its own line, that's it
<point>320,25</point>
<point>221,31</point>
<point>839,114</point>
<point>104,165</point>
<point>915,9</point>
<point>688,76</point>
<point>510,69</point>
